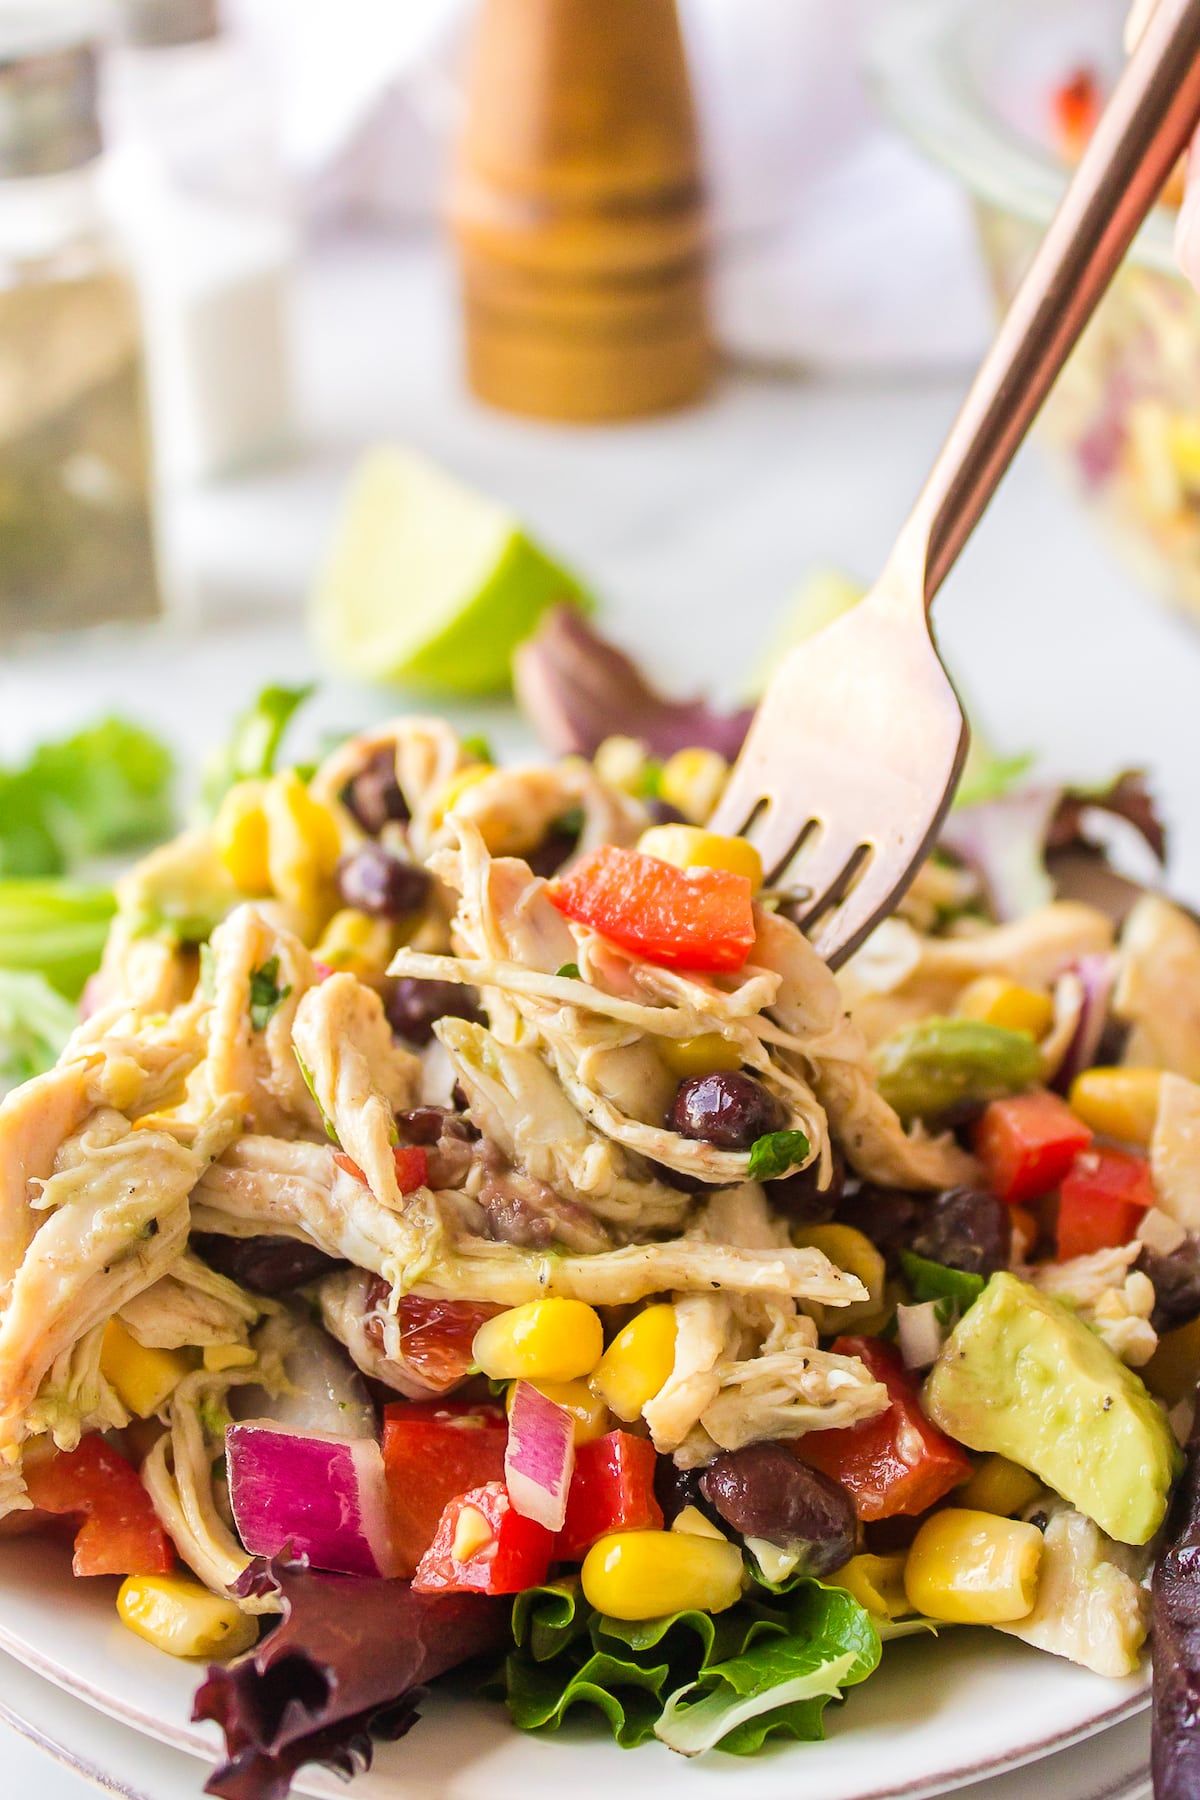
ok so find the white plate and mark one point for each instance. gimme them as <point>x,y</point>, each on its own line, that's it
<point>942,1714</point>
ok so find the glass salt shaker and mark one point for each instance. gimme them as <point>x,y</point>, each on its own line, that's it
<point>77,536</point>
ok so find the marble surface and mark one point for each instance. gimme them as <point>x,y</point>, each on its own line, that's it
<point>695,529</point>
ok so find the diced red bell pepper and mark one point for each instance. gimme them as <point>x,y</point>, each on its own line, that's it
<point>120,1533</point>
<point>412,1167</point>
<point>515,1553</point>
<point>1028,1143</point>
<point>1077,107</point>
<point>700,919</point>
<point>612,1489</point>
<point>434,1451</point>
<point>897,1462</point>
<point>1102,1201</point>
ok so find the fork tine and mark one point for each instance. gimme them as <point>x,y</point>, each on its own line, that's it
<point>769,825</point>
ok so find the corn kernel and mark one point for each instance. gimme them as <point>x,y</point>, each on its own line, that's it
<point>1172,1371</point>
<point>637,1362</point>
<point>471,1533</point>
<point>876,1582</point>
<point>693,781</point>
<point>998,1486</point>
<point>144,1380</point>
<point>693,1523</point>
<point>544,1340</point>
<point>355,941</point>
<point>701,1055</point>
<point>1118,1103</point>
<point>456,787</point>
<point>688,847</point>
<point>999,1002</point>
<point>576,1397</point>
<point>854,1252</point>
<point>219,1357</point>
<point>240,837</point>
<point>646,1574</point>
<point>972,1568</point>
<point>303,846</point>
<point>177,1615</point>
<point>621,762</point>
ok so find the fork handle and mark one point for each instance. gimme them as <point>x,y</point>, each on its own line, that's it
<point>1145,128</point>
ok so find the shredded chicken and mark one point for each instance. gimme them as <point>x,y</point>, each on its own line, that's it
<point>251,1060</point>
<point>1108,1294</point>
<point>192,1305</point>
<point>1175,1151</point>
<point>514,810</point>
<point>1091,1606</point>
<point>1158,987</point>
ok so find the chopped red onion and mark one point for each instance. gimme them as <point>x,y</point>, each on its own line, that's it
<point>920,1334</point>
<point>325,1496</point>
<point>540,1458</point>
<point>1097,976</point>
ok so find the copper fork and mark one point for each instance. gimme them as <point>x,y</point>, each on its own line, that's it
<point>855,751</point>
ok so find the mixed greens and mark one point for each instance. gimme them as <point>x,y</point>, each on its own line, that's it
<point>470,1225</point>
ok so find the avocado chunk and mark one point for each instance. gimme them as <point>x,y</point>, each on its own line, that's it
<point>927,1069</point>
<point>1021,1376</point>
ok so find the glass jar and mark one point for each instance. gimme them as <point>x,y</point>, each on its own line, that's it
<point>77,541</point>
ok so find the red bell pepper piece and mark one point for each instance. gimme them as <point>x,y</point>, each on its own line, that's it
<point>434,1451</point>
<point>612,1489</point>
<point>515,1555</point>
<point>682,918</point>
<point>120,1532</point>
<point>1102,1201</point>
<point>897,1462</point>
<point>1077,108</point>
<point>412,1167</point>
<point>1028,1143</point>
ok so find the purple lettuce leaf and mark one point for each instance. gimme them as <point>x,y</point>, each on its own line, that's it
<point>347,1663</point>
<point>576,689</point>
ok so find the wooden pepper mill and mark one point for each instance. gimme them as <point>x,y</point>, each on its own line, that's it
<point>577,207</point>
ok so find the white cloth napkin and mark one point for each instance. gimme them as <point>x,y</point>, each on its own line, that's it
<point>837,246</point>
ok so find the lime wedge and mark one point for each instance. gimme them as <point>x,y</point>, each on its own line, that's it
<point>824,595</point>
<point>430,584</point>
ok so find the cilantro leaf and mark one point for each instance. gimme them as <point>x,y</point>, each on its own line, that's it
<point>568,972</point>
<point>773,1155</point>
<point>266,995</point>
<point>253,743</point>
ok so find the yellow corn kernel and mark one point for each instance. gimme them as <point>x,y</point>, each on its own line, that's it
<point>692,781</point>
<point>240,837</point>
<point>621,762</point>
<point>471,1533</point>
<point>456,787</point>
<point>576,1397</point>
<point>999,1002</point>
<point>544,1340</point>
<point>971,1568</point>
<point>854,1252</point>
<point>688,847</point>
<point>219,1357</point>
<point>1118,1103</point>
<point>355,941</point>
<point>693,1523</point>
<point>1183,442</point>
<point>876,1582</point>
<point>637,1362</point>
<point>700,1055</point>
<point>303,846</point>
<point>143,1379</point>
<point>998,1486</point>
<point>1172,1371</point>
<point>177,1615</point>
<point>645,1574</point>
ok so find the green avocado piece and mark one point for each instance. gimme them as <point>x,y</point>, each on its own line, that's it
<point>1023,1377</point>
<point>927,1068</point>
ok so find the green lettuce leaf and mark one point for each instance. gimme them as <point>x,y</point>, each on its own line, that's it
<point>102,790</point>
<point>55,929</point>
<point>253,743</point>
<point>35,1023</point>
<point>768,1664</point>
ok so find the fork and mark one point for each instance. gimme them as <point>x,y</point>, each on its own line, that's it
<point>857,746</point>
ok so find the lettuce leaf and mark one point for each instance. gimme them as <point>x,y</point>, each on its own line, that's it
<point>102,790</point>
<point>35,1023</point>
<point>253,744</point>
<point>55,929</point>
<point>769,1664</point>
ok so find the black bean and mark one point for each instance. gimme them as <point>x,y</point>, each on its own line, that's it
<point>764,1491</point>
<point>413,1006</point>
<point>799,1198</point>
<point>966,1229</point>
<point>426,1124</point>
<point>890,1217</point>
<point>265,1265</point>
<point>560,842</point>
<point>676,1488</point>
<point>1176,1279</point>
<point>376,882</point>
<point>729,1109</point>
<point>373,796</point>
<point>663,813</point>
